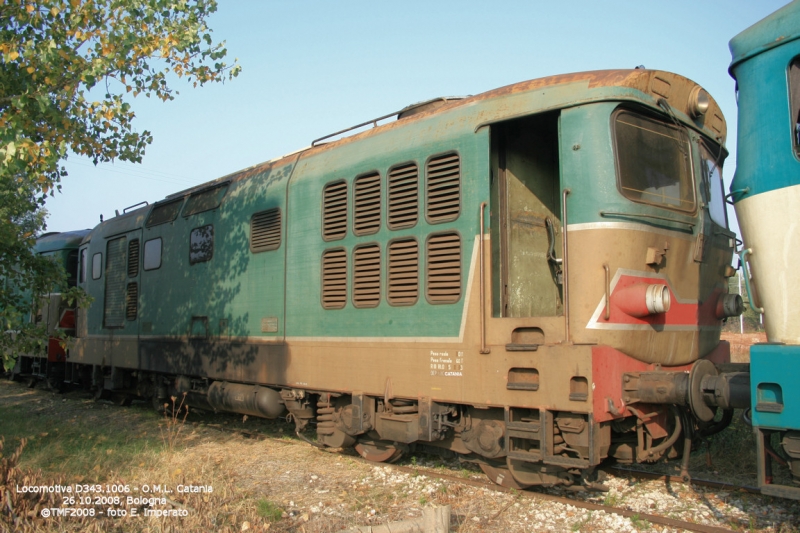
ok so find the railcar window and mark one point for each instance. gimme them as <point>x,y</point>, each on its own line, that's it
<point>164,212</point>
<point>205,200</point>
<point>653,162</point>
<point>201,244</point>
<point>152,254</point>
<point>443,268</point>
<point>97,265</point>
<point>403,272</point>
<point>443,188</point>
<point>367,276</point>
<point>334,211</point>
<point>265,231</point>
<point>367,209</point>
<point>403,182</point>
<point>794,96</point>
<point>713,188</point>
<point>334,278</point>
<point>84,266</point>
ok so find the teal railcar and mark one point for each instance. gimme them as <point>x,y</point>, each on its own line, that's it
<point>55,313</point>
<point>766,194</point>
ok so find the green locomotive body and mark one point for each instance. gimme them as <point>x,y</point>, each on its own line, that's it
<point>511,276</point>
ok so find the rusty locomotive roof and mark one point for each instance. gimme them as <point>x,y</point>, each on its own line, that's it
<point>655,84</point>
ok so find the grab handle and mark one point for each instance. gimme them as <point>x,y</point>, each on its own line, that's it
<point>743,256</point>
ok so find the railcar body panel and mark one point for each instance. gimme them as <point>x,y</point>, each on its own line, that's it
<point>766,192</point>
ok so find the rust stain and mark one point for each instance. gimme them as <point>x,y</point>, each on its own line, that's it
<point>638,79</point>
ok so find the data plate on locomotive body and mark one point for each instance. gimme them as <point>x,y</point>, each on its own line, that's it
<point>269,324</point>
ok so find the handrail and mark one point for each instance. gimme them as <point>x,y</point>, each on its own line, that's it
<point>374,121</point>
<point>484,350</point>
<point>143,202</point>
<point>607,314</point>
<point>742,256</point>
<point>729,198</point>
<point>644,215</point>
<point>565,262</point>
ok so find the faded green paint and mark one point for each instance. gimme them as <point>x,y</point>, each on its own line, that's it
<point>589,171</point>
<point>305,315</point>
<point>276,294</point>
<point>233,291</point>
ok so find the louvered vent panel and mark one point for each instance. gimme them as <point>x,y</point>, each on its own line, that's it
<point>403,272</point>
<point>265,231</point>
<point>444,268</point>
<point>367,213</point>
<point>403,196</point>
<point>334,211</point>
<point>116,272</point>
<point>133,258</point>
<point>334,279</point>
<point>132,301</point>
<point>367,276</point>
<point>443,188</point>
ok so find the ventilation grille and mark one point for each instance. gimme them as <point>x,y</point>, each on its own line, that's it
<point>131,301</point>
<point>334,278</point>
<point>367,276</point>
<point>133,258</point>
<point>403,272</point>
<point>265,231</point>
<point>367,214</point>
<point>403,194</point>
<point>116,263</point>
<point>444,268</point>
<point>444,188</point>
<point>334,211</point>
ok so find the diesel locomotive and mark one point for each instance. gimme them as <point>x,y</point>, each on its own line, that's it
<point>766,195</point>
<point>534,278</point>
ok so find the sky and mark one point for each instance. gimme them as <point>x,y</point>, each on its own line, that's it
<point>310,68</point>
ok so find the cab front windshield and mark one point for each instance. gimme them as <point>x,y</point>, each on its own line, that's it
<point>713,188</point>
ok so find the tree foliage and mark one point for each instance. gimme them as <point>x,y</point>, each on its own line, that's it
<point>68,72</point>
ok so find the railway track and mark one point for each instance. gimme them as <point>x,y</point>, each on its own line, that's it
<point>542,496</point>
<point>655,519</point>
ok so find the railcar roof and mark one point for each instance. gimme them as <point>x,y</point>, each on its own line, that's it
<point>50,242</point>
<point>643,86</point>
<point>655,83</point>
<point>778,28</point>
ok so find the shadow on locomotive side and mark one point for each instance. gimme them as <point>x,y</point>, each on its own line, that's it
<point>534,278</point>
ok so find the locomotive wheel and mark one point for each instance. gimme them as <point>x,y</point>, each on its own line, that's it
<point>158,403</point>
<point>122,399</point>
<point>378,451</point>
<point>502,476</point>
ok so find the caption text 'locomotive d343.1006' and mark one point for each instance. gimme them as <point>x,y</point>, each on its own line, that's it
<point>534,278</point>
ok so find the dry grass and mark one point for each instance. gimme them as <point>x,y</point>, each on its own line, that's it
<point>257,485</point>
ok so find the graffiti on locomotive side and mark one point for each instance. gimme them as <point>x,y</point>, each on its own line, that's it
<point>444,364</point>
